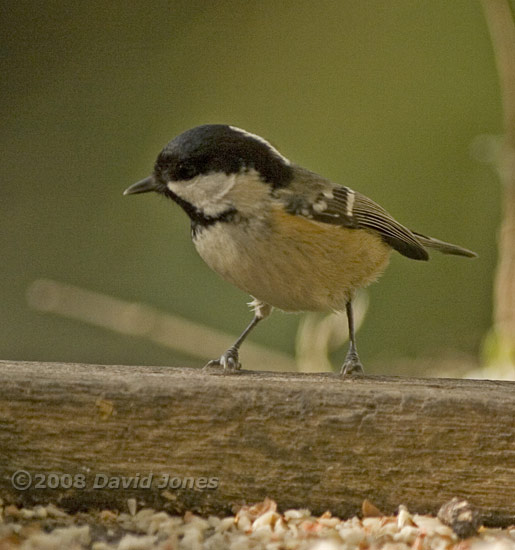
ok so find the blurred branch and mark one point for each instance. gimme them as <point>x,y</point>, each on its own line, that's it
<point>502,30</point>
<point>135,319</point>
<point>317,337</point>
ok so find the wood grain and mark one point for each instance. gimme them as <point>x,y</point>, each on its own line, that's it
<point>305,440</point>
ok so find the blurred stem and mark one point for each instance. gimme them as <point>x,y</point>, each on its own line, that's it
<point>502,30</point>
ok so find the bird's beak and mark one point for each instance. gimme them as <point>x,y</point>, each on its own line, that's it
<point>143,186</point>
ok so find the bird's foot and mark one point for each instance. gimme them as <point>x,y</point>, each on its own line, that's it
<point>229,361</point>
<point>352,365</point>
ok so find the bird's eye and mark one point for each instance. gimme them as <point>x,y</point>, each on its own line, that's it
<point>184,171</point>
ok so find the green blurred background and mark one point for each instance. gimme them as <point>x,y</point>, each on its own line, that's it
<point>386,97</point>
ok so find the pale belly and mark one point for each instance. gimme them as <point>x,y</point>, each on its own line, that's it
<point>299,266</point>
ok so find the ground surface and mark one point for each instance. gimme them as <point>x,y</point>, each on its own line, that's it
<point>260,526</point>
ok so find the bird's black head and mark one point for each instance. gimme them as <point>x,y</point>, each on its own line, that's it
<point>213,148</point>
<point>214,171</point>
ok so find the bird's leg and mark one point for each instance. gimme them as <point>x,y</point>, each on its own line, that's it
<point>352,364</point>
<point>230,359</point>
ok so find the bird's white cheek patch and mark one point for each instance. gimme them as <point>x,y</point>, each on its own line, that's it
<point>207,192</point>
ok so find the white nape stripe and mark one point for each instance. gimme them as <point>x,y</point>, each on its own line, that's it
<point>263,141</point>
<point>350,201</point>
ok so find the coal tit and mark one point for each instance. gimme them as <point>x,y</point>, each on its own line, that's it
<point>290,238</point>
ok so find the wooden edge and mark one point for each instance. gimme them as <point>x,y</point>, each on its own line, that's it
<point>305,440</point>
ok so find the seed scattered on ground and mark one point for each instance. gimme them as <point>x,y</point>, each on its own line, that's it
<point>258,527</point>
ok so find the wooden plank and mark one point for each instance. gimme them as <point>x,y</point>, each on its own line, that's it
<point>305,440</point>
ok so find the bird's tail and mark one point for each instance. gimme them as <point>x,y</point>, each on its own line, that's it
<point>442,246</point>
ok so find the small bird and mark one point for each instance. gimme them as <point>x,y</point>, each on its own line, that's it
<point>290,238</point>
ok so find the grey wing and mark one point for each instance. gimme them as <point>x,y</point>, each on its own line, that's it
<point>343,206</point>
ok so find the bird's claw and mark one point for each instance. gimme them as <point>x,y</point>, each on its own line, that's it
<point>352,365</point>
<point>229,361</point>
